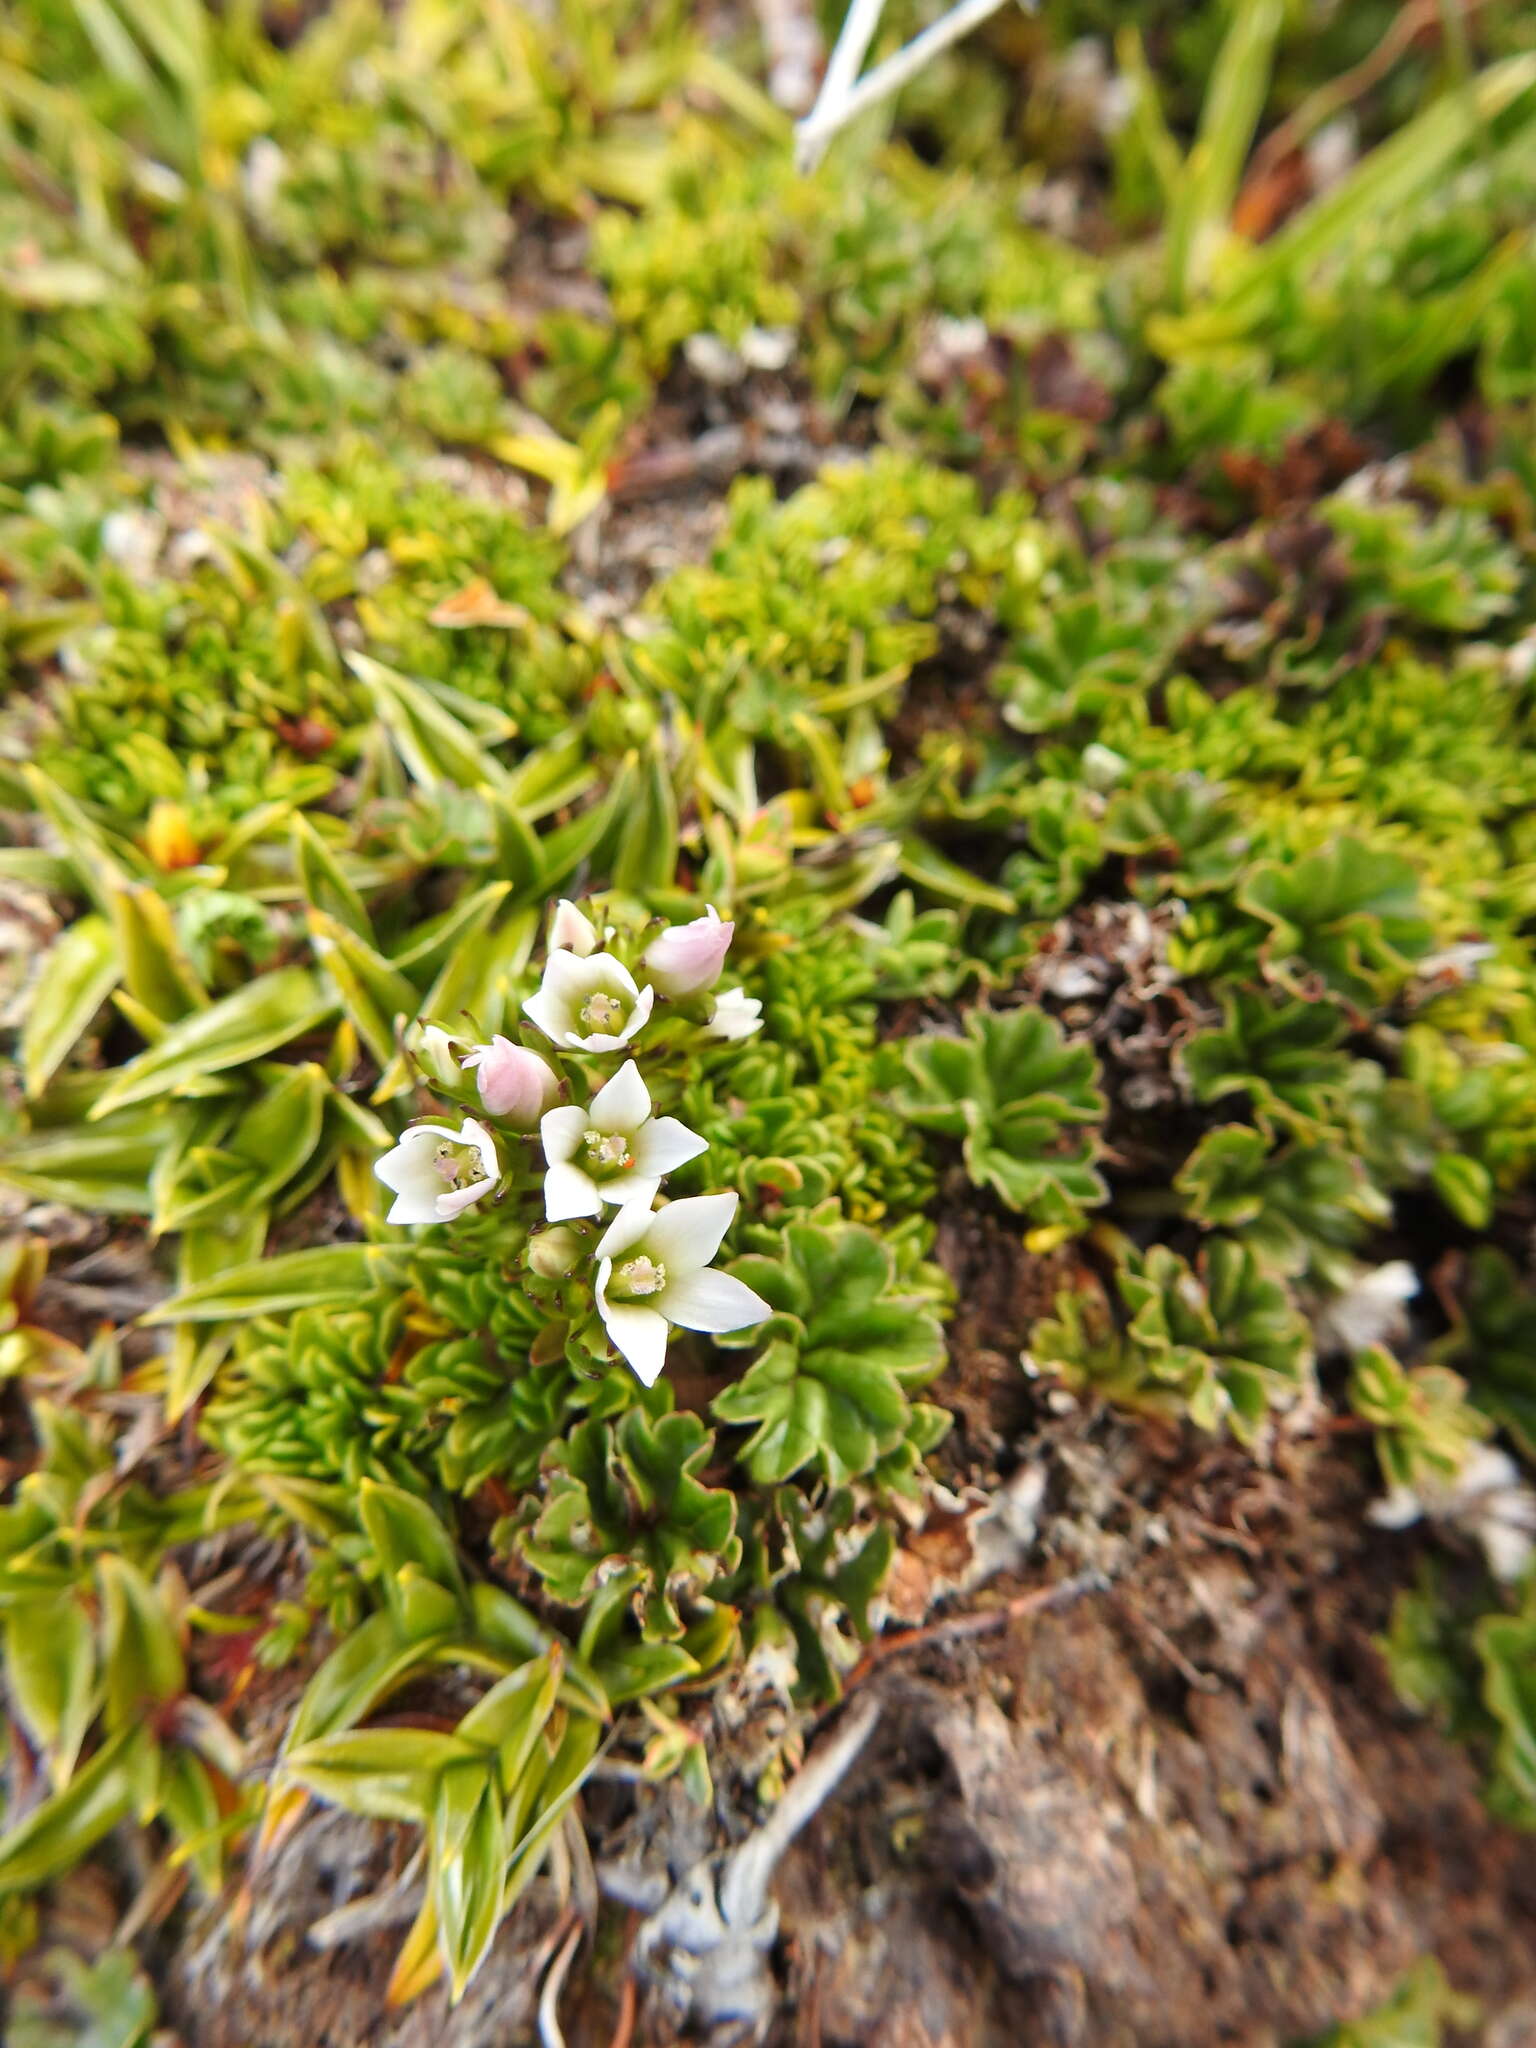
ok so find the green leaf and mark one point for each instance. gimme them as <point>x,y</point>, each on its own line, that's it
<point>141,1657</point>
<point>1507,1644</point>
<point>629,1494</point>
<point>50,1669</point>
<point>1466,1187</point>
<point>646,857</point>
<point>273,1010</point>
<point>404,1531</point>
<point>830,1389</point>
<point>66,1826</point>
<point>1229,114</point>
<point>316,1278</point>
<point>468,1867</point>
<point>435,746</point>
<point>1346,918</point>
<point>373,1661</point>
<point>384,1773</point>
<point>1284,1055</point>
<point>373,993</point>
<point>1388,179</point>
<point>107,1169</point>
<point>931,870</point>
<point>155,968</point>
<point>324,882</point>
<point>79,973</point>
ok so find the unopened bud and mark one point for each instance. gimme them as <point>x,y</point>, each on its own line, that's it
<point>554,1254</point>
<point>515,1084</point>
<point>168,837</point>
<point>688,957</point>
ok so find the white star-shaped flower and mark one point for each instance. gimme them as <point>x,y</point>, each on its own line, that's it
<point>654,1272</point>
<point>436,1172</point>
<point>614,1150</point>
<point>591,1005</point>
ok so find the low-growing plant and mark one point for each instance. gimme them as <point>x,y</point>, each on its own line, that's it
<point>1220,1342</point>
<point>1012,1089</point>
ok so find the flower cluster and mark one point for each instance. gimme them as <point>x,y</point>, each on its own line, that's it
<point>650,1270</point>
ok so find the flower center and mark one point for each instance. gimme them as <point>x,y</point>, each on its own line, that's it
<point>607,1152</point>
<point>643,1276</point>
<point>603,1012</point>
<point>455,1165</point>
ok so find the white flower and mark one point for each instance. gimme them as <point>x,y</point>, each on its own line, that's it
<point>654,1271</point>
<point>570,929</point>
<point>1370,1309</point>
<point>592,1005</point>
<point>735,1015</point>
<point>514,1083</point>
<point>687,958</point>
<point>436,1172</point>
<point>1486,1498</point>
<point>614,1150</point>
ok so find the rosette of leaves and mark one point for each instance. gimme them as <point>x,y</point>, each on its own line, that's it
<point>1425,1426</point>
<point>1301,1207</point>
<point>315,1397</point>
<point>1188,833</point>
<point>1283,1054</point>
<point>1345,919</point>
<point>1219,1342</point>
<point>1493,1341</point>
<point>1012,1089</point>
<point>844,1350</point>
<point>1065,845</point>
<point>1452,571</point>
<point>795,1150</point>
<point>627,1498</point>
<point>912,952</point>
<point>809,1572</point>
<point>1482,1098</point>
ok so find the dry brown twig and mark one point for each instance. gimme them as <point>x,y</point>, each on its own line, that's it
<point>1418,18</point>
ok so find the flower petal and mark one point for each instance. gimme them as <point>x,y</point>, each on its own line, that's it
<point>1397,1509</point>
<point>606,971</point>
<point>454,1201</point>
<point>712,1301</point>
<point>663,1143</point>
<point>623,1103</point>
<point>631,1190</point>
<point>484,1145</point>
<point>413,1206</point>
<point>404,1166</point>
<point>552,1017</point>
<point>560,1131</point>
<point>686,1235</point>
<point>568,1192</point>
<point>569,928</point>
<point>625,1231</point>
<point>641,1335</point>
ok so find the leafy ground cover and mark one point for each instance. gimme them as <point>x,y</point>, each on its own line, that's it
<point>768,942</point>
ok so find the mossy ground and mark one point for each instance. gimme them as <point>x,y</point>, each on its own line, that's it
<point>1062,576</point>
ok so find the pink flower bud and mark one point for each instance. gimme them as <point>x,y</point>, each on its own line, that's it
<point>689,957</point>
<point>514,1083</point>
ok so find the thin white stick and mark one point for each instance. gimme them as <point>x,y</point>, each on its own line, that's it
<point>859,25</point>
<point>822,122</point>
